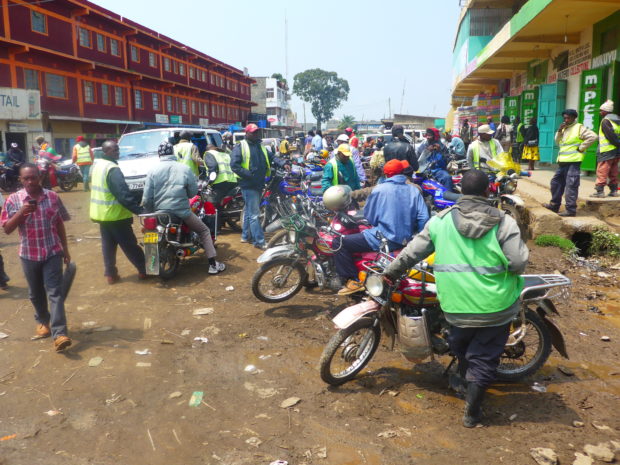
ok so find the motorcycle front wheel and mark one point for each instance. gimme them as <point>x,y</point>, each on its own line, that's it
<point>168,262</point>
<point>527,356</point>
<point>278,280</point>
<point>66,185</point>
<point>349,351</point>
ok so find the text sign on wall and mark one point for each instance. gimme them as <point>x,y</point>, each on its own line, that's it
<point>590,99</point>
<point>19,104</point>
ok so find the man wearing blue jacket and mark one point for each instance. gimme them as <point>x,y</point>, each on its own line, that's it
<point>397,220</point>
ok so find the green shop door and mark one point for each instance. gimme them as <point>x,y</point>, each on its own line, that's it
<point>551,102</point>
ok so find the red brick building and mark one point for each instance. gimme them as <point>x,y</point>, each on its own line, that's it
<point>100,74</point>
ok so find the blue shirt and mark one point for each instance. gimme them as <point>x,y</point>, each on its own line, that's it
<point>458,146</point>
<point>317,143</point>
<point>397,210</point>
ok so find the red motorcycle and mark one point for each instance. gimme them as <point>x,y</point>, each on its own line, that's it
<point>307,259</point>
<point>47,169</point>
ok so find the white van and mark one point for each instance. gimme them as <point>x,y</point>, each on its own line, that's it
<point>138,150</point>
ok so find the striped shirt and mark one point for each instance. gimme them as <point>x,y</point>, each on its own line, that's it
<point>38,234</point>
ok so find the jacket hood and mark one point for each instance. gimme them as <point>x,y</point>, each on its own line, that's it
<point>397,179</point>
<point>474,216</point>
<point>613,117</point>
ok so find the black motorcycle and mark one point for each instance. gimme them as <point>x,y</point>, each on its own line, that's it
<point>9,177</point>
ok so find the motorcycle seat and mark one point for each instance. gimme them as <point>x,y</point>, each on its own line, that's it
<point>316,176</point>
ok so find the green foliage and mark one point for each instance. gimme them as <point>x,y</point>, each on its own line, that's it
<point>324,90</point>
<point>550,240</point>
<point>605,242</point>
<point>346,121</point>
<point>279,77</point>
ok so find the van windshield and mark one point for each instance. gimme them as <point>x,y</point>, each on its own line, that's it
<point>141,143</point>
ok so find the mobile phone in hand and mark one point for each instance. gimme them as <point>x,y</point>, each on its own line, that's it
<point>32,202</point>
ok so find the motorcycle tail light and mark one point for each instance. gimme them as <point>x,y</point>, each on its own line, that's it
<point>172,230</point>
<point>361,276</point>
<point>396,297</point>
<point>150,223</point>
<point>209,208</point>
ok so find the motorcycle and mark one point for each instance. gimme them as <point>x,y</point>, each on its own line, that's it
<point>229,208</point>
<point>9,177</point>
<point>47,170</point>
<point>68,175</point>
<point>167,239</point>
<point>408,310</point>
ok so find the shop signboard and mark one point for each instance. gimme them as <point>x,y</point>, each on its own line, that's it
<point>592,95</point>
<point>19,104</point>
<point>176,119</point>
<point>511,107</point>
<point>205,122</point>
<point>529,105</point>
<point>163,119</point>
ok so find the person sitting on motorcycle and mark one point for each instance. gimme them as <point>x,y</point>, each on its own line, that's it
<point>456,145</point>
<point>483,148</point>
<point>399,148</point>
<point>340,170</point>
<point>479,255</point>
<point>355,156</point>
<point>46,150</point>
<point>397,221</point>
<point>16,155</point>
<point>168,188</point>
<point>433,152</point>
<point>217,160</point>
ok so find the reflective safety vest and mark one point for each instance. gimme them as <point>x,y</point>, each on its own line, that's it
<point>471,274</point>
<point>224,172</point>
<point>476,151</point>
<point>245,156</point>
<point>183,151</point>
<point>103,205</point>
<point>519,136</point>
<point>83,155</point>
<point>334,163</point>
<point>603,143</point>
<point>570,143</point>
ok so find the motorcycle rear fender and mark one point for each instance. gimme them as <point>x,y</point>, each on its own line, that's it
<point>280,251</point>
<point>557,340</point>
<point>350,315</point>
<point>513,200</point>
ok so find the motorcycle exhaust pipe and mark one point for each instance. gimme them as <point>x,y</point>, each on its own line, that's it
<point>273,227</point>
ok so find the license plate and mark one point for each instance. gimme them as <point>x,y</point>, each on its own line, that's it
<point>136,186</point>
<point>151,238</point>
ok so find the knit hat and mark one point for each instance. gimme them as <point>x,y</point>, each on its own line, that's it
<point>394,167</point>
<point>608,106</point>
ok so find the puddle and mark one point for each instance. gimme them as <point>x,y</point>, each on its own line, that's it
<point>612,314</point>
<point>584,372</point>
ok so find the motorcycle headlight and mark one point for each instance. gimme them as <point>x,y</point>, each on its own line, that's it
<point>292,236</point>
<point>374,285</point>
<point>511,186</point>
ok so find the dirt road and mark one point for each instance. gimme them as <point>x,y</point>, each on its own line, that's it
<point>134,409</point>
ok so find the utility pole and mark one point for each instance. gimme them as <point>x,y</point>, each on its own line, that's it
<point>402,98</point>
<point>285,46</point>
<point>390,107</point>
<point>304,105</point>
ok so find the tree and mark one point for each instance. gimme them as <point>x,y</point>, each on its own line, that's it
<point>279,77</point>
<point>347,121</point>
<point>324,90</point>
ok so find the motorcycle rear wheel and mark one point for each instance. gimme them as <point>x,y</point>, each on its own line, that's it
<point>168,262</point>
<point>515,363</point>
<point>263,284</point>
<point>347,342</point>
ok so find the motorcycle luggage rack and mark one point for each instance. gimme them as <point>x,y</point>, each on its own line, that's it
<point>545,286</point>
<point>293,223</point>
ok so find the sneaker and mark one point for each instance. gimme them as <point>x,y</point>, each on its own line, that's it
<point>598,194</point>
<point>351,287</point>
<point>61,343</point>
<point>613,193</point>
<point>43,331</point>
<point>244,241</point>
<point>113,279</point>
<point>262,246</point>
<point>217,268</point>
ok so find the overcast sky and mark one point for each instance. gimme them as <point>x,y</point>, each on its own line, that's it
<point>376,46</point>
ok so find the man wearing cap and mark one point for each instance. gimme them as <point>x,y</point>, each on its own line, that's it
<point>608,151</point>
<point>399,148</point>
<point>341,170</point>
<point>355,156</point>
<point>83,157</point>
<point>398,222</point>
<point>573,139</point>
<point>353,140</point>
<point>483,148</point>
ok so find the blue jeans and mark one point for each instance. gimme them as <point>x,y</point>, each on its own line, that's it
<point>251,223</point>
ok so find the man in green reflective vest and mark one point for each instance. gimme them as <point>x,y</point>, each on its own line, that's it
<point>112,205</point>
<point>608,152</point>
<point>341,170</point>
<point>479,255</point>
<point>573,138</point>
<point>217,161</point>
<point>485,147</point>
<point>187,152</point>
<point>83,157</point>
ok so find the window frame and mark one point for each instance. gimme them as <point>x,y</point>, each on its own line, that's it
<point>169,104</point>
<point>44,16</point>
<point>66,90</point>
<point>184,108</point>
<point>90,84</point>
<point>138,97</point>
<point>133,49</point>
<point>118,90</point>
<point>175,67</point>
<point>152,56</point>
<point>87,32</point>
<point>37,76</point>
<point>192,72</point>
<point>104,48</point>
<point>105,94</point>
<point>155,101</point>
<point>182,69</point>
<point>167,67</point>
<point>118,49</point>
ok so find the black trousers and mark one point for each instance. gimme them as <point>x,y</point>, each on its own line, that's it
<point>566,182</point>
<point>478,351</point>
<point>120,233</point>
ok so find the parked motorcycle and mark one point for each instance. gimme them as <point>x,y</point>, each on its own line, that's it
<point>47,170</point>
<point>9,177</point>
<point>68,175</point>
<point>409,311</point>
<point>167,239</point>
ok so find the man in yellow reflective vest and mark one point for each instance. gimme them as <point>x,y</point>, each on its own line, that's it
<point>341,170</point>
<point>83,157</point>
<point>112,205</point>
<point>485,147</point>
<point>187,152</point>
<point>217,160</point>
<point>573,138</point>
<point>608,152</point>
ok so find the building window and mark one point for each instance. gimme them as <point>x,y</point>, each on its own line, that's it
<point>31,79</point>
<point>212,79</point>
<point>38,22</point>
<point>89,92</point>
<point>114,48</point>
<point>135,54</point>
<point>167,64</point>
<point>181,69</point>
<point>204,76</point>
<point>100,43</point>
<point>184,106</point>
<point>137,94</point>
<point>168,104</point>
<point>55,86</point>
<point>269,93</point>
<point>84,36</point>
<point>175,67</point>
<point>119,97</point>
<point>105,94</point>
<point>192,72</point>
<point>193,107</point>
<point>152,60</point>
<point>155,101</point>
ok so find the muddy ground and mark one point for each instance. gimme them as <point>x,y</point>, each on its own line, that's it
<point>121,413</point>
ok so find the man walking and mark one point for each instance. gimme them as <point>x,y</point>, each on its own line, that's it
<point>608,151</point>
<point>479,256</point>
<point>112,205</point>
<point>187,152</point>
<point>573,139</point>
<point>83,157</point>
<point>39,214</point>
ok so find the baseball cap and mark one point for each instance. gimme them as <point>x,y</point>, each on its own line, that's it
<point>251,128</point>
<point>485,129</point>
<point>79,138</point>
<point>345,150</point>
<point>394,167</point>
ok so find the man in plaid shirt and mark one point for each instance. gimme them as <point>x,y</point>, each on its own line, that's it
<point>39,215</point>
